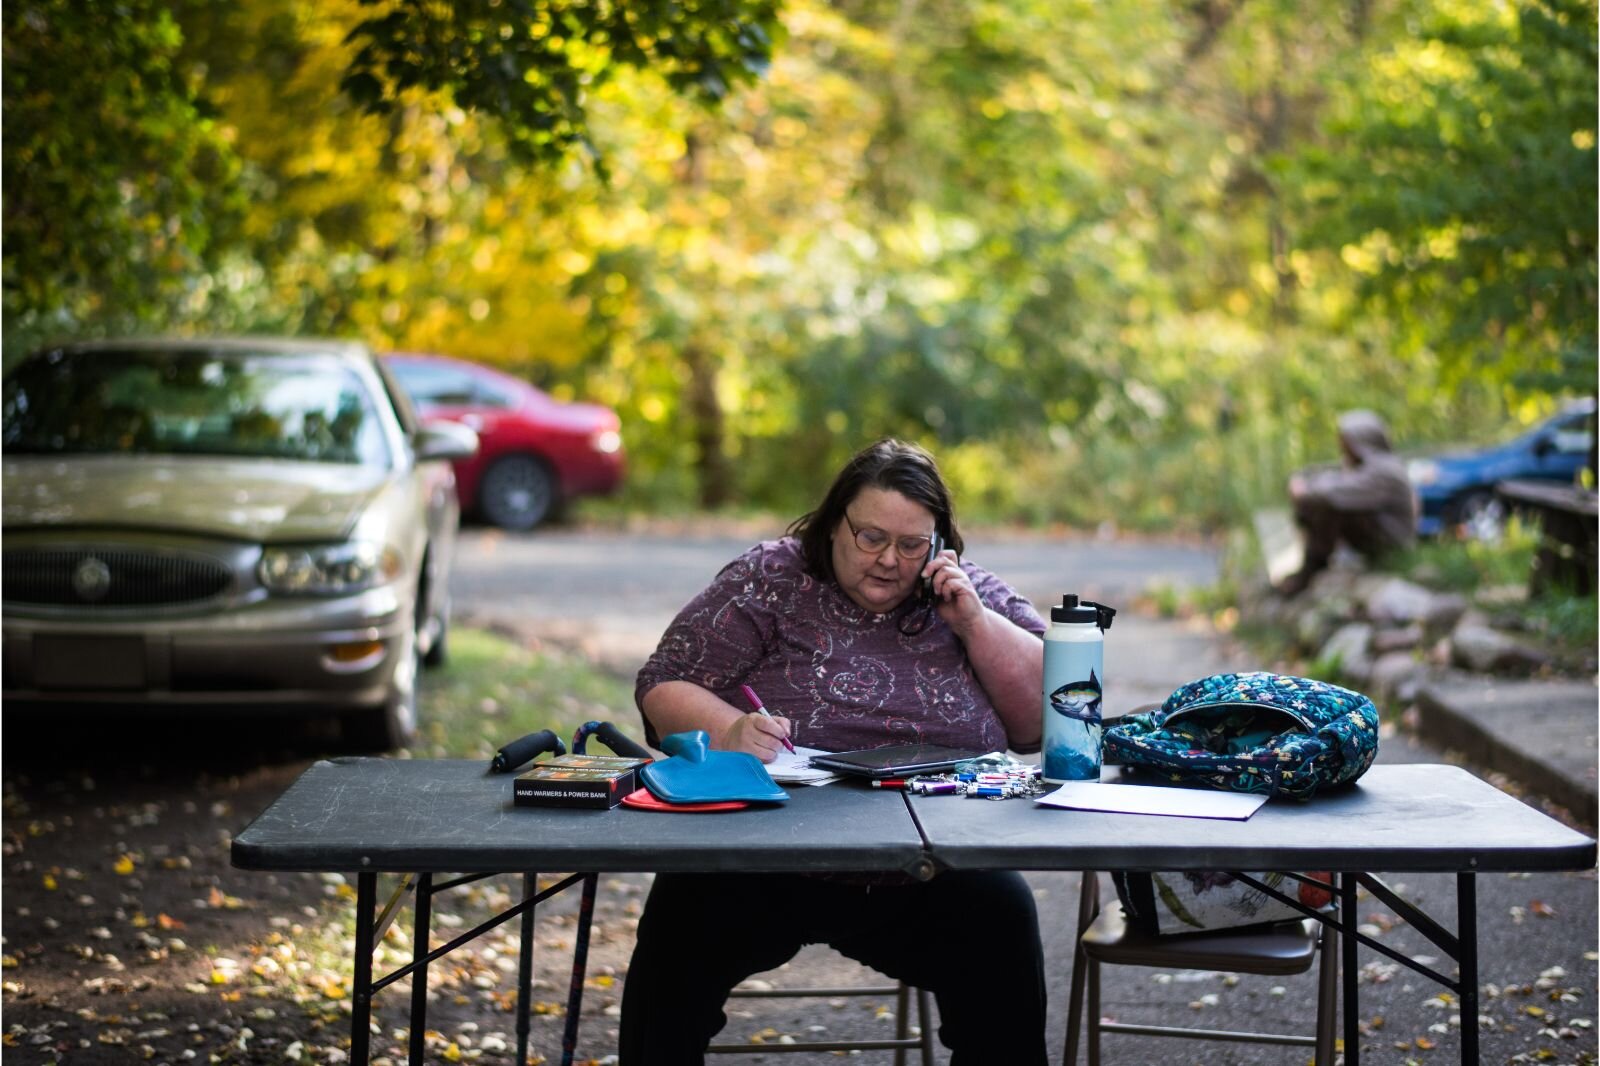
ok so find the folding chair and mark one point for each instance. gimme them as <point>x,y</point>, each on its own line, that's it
<point>1106,939</point>
<point>902,1040</point>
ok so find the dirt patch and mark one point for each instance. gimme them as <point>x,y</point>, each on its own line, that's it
<point>129,936</point>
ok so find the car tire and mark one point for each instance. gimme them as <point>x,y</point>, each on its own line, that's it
<point>433,622</point>
<point>439,651</point>
<point>1481,516</point>
<point>517,492</point>
<point>393,725</point>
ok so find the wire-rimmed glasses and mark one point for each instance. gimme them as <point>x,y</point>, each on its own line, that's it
<point>873,541</point>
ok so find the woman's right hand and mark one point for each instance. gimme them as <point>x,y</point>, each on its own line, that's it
<point>754,733</point>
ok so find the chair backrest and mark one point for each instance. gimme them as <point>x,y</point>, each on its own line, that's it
<point>1105,938</point>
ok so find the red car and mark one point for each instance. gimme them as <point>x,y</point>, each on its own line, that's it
<point>534,451</point>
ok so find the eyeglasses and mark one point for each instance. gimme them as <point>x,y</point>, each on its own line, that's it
<point>873,540</point>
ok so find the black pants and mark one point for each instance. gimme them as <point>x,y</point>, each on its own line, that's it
<point>1325,528</point>
<point>969,938</point>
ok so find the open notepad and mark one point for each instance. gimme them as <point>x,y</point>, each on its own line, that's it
<point>794,768</point>
<point>1153,799</point>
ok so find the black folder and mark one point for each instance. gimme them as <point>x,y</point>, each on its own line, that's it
<point>897,760</point>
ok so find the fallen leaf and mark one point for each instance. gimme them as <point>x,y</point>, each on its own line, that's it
<point>124,865</point>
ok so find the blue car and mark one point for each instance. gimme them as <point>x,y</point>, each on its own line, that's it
<point>1456,490</point>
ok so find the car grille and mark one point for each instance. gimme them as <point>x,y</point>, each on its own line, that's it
<point>110,577</point>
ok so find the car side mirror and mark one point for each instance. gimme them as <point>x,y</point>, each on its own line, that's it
<point>1544,446</point>
<point>444,440</point>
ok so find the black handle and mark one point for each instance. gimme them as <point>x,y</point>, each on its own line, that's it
<point>521,750</point>
<point>611,737</point>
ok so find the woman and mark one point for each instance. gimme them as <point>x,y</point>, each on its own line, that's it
<point>828,627</point>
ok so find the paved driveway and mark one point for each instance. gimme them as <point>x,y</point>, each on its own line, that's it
<point>611,593</point>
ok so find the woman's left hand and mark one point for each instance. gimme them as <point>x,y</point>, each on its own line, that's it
<point>953,595</point>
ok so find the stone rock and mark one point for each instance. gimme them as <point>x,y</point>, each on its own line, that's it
<point>1397,601</point>
<point>1369,585</point>
<point>1400,602</point>
<point>1445,610</point>
<point>1403,639</point>
<point>1315,622</point>
<point>1478,647</point>
<point>1336,589</point>
<point>1270,609</point>
<point>1348,646</point>
<point>1396,676</point>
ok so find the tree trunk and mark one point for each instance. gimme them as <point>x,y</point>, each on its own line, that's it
<point>706,425</point>
<point>700,391</point>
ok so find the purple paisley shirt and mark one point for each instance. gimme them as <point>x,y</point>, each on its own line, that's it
<point>846,678</point>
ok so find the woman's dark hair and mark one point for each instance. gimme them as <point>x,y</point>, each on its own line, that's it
<point>892,465</point>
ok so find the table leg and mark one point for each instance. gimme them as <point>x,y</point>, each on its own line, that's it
<point>580,966</point>
<point>361,992</point>
<point>419,977</point>
<point>1467,933</point>
<point>1351,971</point>
<point>530,888</point>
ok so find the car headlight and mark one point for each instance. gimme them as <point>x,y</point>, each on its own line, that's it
<point>328,569</point>
<point>606,441</point>
<point>1422,471</point>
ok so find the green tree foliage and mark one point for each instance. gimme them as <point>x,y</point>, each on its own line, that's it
<point>1111,261</point>
<point>1459,183</point>
<point>120,184</point>
<point>533,64</point>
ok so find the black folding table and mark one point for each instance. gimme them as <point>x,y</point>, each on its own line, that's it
<point>421,817</point>
<point>1417,818</point>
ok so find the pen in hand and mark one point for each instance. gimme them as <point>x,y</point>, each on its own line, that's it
<point>755,705</point>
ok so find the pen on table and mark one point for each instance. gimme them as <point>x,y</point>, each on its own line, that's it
<point>755,705</point>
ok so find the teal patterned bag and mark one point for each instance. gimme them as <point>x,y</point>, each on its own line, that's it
<point>1252,732</point>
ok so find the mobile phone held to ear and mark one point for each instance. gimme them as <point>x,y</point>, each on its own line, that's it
<point>925,584</point>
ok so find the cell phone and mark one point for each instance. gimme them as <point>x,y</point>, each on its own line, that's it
<point>925,584</point>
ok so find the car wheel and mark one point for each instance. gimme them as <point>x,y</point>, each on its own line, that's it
<point>439,649</point>
<point>433,621</point>
<point>517,492</point>
<point>1481,516</point>
<point>393,725</point>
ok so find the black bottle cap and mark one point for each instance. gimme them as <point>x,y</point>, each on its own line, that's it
<point>1073,609</point>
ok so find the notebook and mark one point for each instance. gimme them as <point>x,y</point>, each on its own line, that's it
<point>897,760</point>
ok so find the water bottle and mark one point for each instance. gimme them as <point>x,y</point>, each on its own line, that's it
<point>1074,679</point>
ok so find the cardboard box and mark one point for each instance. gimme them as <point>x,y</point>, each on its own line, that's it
<point>595,782</point>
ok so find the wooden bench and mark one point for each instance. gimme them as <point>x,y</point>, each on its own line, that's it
<point>1566,557</point>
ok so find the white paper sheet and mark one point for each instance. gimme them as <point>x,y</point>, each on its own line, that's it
<point>1153,799</point>
<point>796,768</point>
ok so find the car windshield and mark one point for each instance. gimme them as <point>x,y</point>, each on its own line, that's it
<point>191,402</point>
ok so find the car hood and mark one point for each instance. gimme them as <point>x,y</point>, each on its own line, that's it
<point>238,498</point>
<point>577,417</point>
